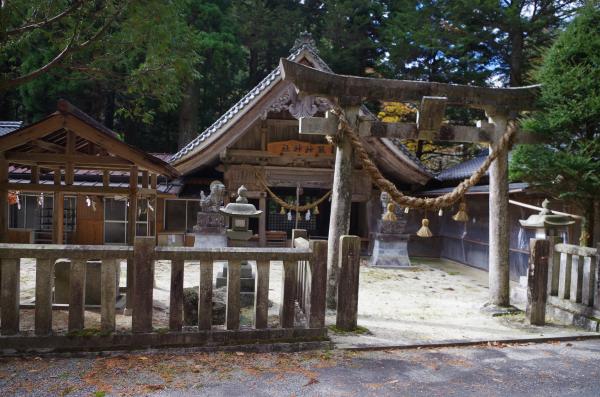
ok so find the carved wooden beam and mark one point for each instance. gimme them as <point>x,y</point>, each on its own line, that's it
<point>315,82</point>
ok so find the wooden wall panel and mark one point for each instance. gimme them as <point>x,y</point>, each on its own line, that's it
<point>90,223</point>
<point>160,215</point>
<point>20,236</point>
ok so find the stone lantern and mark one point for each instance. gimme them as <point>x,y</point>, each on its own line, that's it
<point>545,223</point>
<point>238,216</point>
<point>238,233</point>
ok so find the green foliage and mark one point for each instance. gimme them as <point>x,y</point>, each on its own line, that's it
<point>568,167</point>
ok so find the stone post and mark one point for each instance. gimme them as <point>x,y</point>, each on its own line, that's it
<point>537,281</point>
<point>341,202</point>
<point>347,310</point>
<point>499,238</point>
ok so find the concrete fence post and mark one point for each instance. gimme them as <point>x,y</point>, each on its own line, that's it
<point>596,272</point>
<point>537,281</point>
<point>347,296</point>
<point>143,270</point>
<point>318,283</point>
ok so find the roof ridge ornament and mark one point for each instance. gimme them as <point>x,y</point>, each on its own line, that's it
<point>305,40</point>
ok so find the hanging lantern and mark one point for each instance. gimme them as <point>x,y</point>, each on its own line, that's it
<point>282,211</point>
<point>307,215</point>
<point>406,210</point>
<point>440,212</point>
<point>390,214</point>
<point>289,216</point>
<point>316,211</point>
<point>424,231</point>
<point>13,198</point>
<point>88,201</point>
<point>461,215</point>
<point>41,200</point>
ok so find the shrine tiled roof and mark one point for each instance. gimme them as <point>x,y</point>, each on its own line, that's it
<point>9,126</point>
<point>465,169</point>
<point>250,98</point>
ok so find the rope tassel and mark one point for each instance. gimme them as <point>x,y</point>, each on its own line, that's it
<point>390,215</point>
<point>424,231</point>
<point>461,215</point>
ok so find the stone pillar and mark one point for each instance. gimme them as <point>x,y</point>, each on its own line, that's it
<point>341,202</point>
<point>499,236</point>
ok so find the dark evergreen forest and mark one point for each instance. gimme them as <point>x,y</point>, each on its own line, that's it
<point>159,71</point>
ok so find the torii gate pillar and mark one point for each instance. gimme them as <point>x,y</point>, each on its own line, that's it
<point>499,238</point>
<point>341,203</point>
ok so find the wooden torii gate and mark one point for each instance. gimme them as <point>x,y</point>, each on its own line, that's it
<point>499,104</point>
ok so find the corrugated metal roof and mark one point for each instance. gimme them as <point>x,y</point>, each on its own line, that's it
<point>9,126</point>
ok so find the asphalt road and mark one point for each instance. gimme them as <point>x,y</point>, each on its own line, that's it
<point>551,369</point>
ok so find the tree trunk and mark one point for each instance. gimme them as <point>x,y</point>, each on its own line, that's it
<point>516,58</point>
<point>587,228</point>
<point>188,116</point>
<point>109,110</point>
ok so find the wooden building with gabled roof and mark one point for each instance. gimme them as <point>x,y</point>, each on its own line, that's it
<point>64,176</point>
<point>256,142</point>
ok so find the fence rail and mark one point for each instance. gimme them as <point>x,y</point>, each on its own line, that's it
<point>143,255</point>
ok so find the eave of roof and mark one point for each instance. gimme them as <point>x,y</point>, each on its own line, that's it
<point>66,109</point>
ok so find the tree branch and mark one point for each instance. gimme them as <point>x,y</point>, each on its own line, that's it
<point>47,21</point>
<point>70,47</point>
<point>8,84</point>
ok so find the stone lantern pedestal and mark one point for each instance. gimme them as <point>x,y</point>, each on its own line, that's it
<point>238,216</point>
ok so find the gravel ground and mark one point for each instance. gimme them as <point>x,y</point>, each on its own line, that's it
<point>557,369</point>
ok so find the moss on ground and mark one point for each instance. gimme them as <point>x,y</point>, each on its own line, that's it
<point>357,331</point>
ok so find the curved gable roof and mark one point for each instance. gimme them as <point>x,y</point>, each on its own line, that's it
<point>393,157</point>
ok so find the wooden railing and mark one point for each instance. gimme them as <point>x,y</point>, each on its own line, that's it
<point>565,276</point>
<point>144,253</point>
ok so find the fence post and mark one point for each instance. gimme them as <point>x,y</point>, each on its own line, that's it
<point>44,281</point>
<point>143,270</point>
<point>318,283</point>
<point>10,295</point>
<point>347,298</point>
<point>296,271</point>
<point>553,266</point>
<point>176,296</point>
<point>108,295</point>
<point>597,280</point>
<point>232,308</point>
<point>537,281</point>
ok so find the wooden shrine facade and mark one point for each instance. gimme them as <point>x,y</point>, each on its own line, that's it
<point>68,154</point>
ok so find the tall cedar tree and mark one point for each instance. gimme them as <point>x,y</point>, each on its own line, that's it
<point>569,166</point>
